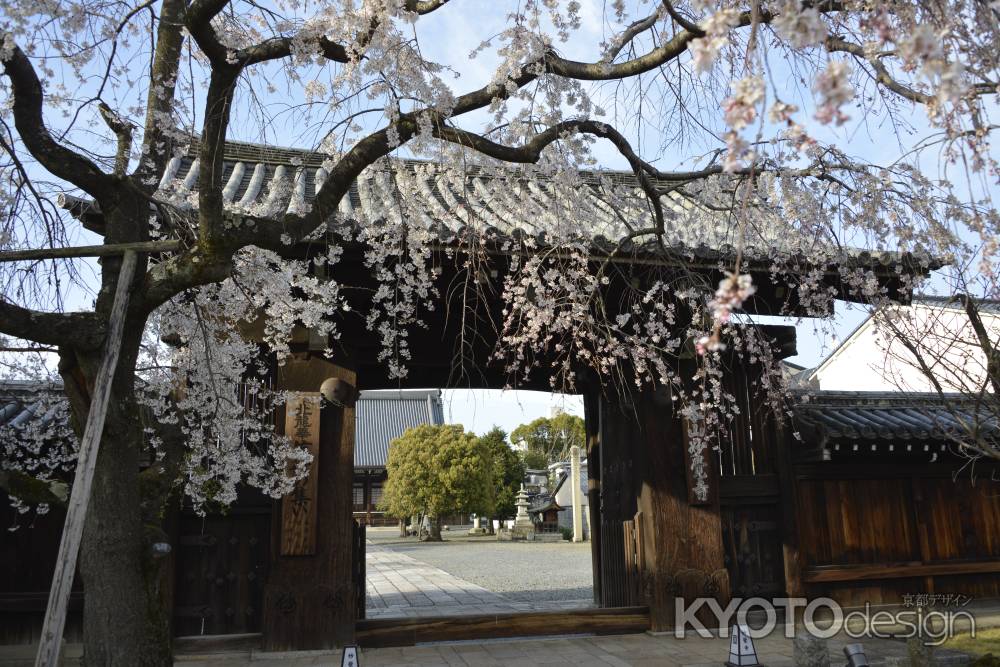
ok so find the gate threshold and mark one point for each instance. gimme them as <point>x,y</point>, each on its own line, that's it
<point>386,632</point>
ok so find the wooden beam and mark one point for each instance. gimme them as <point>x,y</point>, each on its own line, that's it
<point>90,250</point>
<point>384,632</point>
<point>86,462</point>
<point>898,571</point>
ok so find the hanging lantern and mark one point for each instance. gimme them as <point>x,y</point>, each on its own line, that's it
<point>741,649</point>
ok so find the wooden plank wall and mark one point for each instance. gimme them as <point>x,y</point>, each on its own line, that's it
<point>27,561</point>
<point>876,532</point>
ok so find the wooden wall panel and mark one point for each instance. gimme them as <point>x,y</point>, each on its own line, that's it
<point>27,562</point>
<point>876,534</point>
<point>963,520</point>
<point>853,522</point>
<point>752,541</point>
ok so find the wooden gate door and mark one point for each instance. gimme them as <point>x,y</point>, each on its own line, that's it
<point>752,544</point>
<point>221,567</point>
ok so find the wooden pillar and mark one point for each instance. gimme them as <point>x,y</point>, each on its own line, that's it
<point>592,422</point>
<point>309,600</point>
<point>788,506</point>
<point>618,428</point>
<point>683,546</point>
<point>645,442</point>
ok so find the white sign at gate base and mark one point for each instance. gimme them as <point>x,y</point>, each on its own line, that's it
<point>350,657</point>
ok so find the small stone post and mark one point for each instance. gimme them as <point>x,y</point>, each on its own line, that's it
<point>574,478</point>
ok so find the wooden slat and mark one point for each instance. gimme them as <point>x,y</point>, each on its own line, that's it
<point>35,601</point>
<point>382,632</point>
<point>90,251</point>
<point>878,470</point>
<point>898,571</point>
<point>86,463</point>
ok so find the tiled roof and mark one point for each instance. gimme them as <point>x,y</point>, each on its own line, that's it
<point>382,416</point>
<point>870,416</point>
<point>268,182</point>
<point>20,402</point>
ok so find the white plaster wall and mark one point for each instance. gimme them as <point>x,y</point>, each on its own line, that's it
<point>873,361</point>
<point>564,498</point>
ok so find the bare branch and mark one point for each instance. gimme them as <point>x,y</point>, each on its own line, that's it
<point>198,20</point>
<point>690,26</point>
<point>123,131</point>
<point>83,330</point>
<point>989,349</point>
<point>424,6</point>
<point>634,29</point>
<point>156,140</point>
<point>281,47</point>
<point>56,158</point>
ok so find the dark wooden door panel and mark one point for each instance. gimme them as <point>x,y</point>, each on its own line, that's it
<point>753,553</point>
<point>221,568</point>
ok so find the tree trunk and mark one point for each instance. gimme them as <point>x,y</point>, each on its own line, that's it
<point>433,530</point>
<point>402,527</point>
<point>124,619</point>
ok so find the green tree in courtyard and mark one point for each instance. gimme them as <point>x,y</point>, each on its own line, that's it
<point>508,471</point>
<point>551,438</point>
<point>534,460</point>
<point>438,470</point>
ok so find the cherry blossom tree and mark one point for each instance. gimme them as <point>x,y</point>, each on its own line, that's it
<point>743,115</point>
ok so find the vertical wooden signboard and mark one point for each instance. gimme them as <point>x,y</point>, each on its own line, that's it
<point>298,508</point>
<point>710,466</point>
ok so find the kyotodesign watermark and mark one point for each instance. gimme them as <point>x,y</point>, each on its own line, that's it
<point>820,617</point>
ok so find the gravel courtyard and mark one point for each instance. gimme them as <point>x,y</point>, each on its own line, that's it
<point>518,571</point>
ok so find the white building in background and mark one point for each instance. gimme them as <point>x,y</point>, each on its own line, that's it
<point>871,359</point>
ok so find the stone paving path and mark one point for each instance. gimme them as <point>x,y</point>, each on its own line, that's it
<point>641,650</point>
<point>399,585</point>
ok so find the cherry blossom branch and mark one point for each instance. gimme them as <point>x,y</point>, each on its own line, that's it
<point>281,47</point>
<point>882,76</point>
